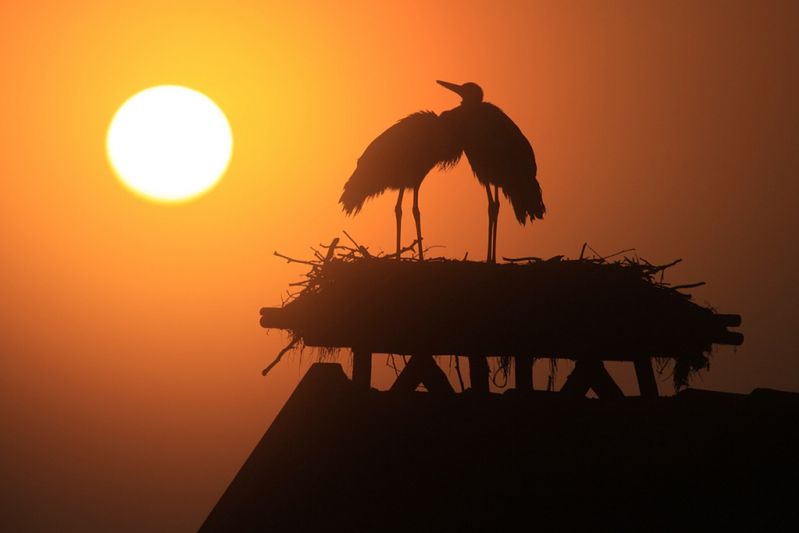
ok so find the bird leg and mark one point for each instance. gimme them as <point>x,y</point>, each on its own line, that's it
<point>418,218</point>
<point>496,223</point>
<point>490,223</point>
<point>398,213</point>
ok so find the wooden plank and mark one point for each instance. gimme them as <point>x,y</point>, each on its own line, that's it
<point>647,385</point>
<point>732,321</point>
<point>362,369</point>
<point>523,373</point>
<point>732,338</point>
<point>572,350</point>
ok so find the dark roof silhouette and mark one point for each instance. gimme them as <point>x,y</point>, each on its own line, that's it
<point>338,458</point>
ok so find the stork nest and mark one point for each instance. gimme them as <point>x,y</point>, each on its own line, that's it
<point>591,307</point>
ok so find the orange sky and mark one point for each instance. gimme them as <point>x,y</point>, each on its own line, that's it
<point>130,351</point>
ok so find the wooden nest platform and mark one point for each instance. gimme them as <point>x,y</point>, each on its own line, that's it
<point>582,309</point>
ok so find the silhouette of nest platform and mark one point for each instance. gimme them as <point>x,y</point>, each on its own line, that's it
<point>580,309</point>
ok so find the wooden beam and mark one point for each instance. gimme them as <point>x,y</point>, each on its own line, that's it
<point>362,369</point>
<point>578,383</point>
<point>732,321</point>
<point>422,369</point>
<point>523,373</point>
<point>275,317</point>
<point>435,380</point>
<point>603,383</point>
<point>730,337</point>
<point>478,373</point>
<point>591,374</point>
<point>647,385</point>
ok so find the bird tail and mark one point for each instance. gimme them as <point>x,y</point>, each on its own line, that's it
<point>526,198</point>
<point>360,187</point>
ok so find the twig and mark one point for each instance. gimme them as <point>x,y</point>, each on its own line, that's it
<point>360,248</point>
<point>348,249</point>
<point>392,364</point>
<point>280,355</point>
<point>553,371</point>
<point>501,370</point>
<point>586,245</point>
<point>458,368</point>
<point>317,254</point>
<point>619,253</point>
<point>661,268</point>
<point>411,246</point>
<point>351,239</point>
<point>688,285</point>
<point>331,250</point>
<point>292,260</point>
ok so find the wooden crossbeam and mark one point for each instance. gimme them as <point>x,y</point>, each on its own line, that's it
<point>422,368</point>
<point>591,374</point>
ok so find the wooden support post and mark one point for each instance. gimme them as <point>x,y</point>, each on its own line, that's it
<point>647,385</point>
<point>523,372</point>
<point>591,374</point>
<point>362,369</point>
<point>423,369</point>
<point>603,383</point>
<point>435,380</point>
<point>578,383</point>
<point>478,373</point>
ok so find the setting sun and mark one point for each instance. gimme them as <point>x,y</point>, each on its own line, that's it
<point>169,143</point>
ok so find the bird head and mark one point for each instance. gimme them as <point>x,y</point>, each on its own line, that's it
<point>470,92</point>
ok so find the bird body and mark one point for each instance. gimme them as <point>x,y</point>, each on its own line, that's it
<point>500,155</point>
<point>498,152</point>
<point>400,158</point>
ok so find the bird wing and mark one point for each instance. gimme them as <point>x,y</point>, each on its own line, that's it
<point>501,155</point>
<point>400,157</point>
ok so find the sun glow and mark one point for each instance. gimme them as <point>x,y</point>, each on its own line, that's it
<point>169,143</point>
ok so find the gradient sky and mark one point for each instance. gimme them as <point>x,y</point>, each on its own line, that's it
<point>130,350</point>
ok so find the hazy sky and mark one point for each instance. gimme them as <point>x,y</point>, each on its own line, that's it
<point>130,350</point>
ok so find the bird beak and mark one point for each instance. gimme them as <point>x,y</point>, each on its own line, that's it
<point>454,87</point>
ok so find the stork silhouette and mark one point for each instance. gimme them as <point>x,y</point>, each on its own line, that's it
<point>400,158</point>
<point>499,154</point>
<point>497,150</point>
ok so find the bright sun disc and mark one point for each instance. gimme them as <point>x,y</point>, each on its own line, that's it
<point>169,143</point>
